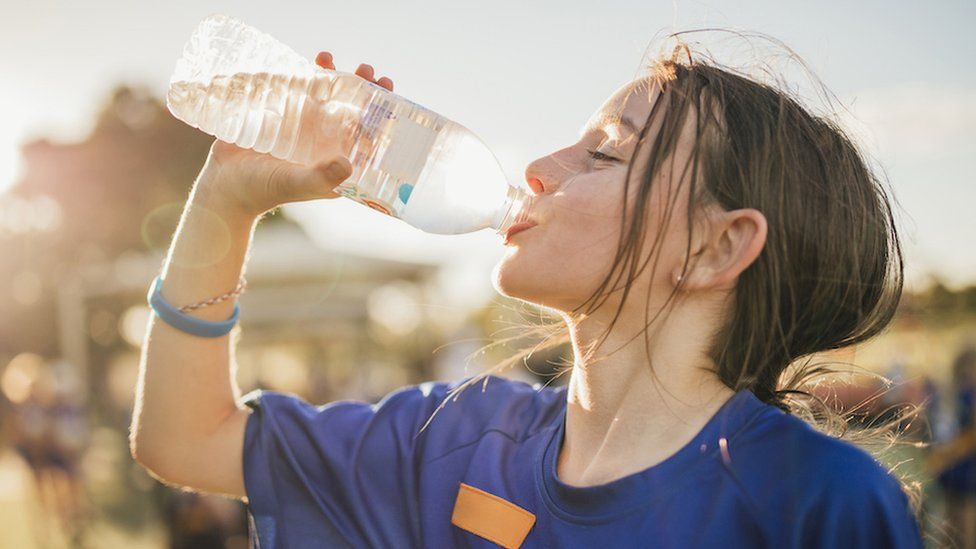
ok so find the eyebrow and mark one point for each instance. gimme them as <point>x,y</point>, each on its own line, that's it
<point>619,121</point>
<point>629,124</point>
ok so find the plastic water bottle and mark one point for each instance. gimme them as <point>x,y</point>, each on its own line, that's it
<point>244,87</point>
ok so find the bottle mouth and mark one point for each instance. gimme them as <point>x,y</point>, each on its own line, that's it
<point>526,207</point>
<point>518,204</point>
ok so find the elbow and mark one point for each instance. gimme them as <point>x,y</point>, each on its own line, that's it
<point>159,464</point>
<point>149,454</point>
<point>139,444</point>
<point>184,460</point>
<point>141,451</point>
<point>138,450</point>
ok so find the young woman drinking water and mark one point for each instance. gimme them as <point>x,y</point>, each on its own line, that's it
<point>704,233</point>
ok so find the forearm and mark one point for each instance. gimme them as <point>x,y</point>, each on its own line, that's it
<point>186,384</point>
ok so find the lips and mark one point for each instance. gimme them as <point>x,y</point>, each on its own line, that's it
<point>517,228</point>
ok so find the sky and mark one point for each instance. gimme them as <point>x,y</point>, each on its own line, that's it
<point>525,76</point>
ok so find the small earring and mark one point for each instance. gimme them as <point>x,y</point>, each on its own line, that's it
<point>678,278</point>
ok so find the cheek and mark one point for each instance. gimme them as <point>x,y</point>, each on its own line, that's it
<point>665,227</point>
<point>583,246</point>
<point>588,219</point>
<point>564,260</point>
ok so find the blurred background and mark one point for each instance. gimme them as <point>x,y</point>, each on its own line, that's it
<point>346,303</point>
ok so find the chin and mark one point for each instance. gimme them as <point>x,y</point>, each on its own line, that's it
<point>518,282</point>
<point>502,277</point>
<point>512,280</point>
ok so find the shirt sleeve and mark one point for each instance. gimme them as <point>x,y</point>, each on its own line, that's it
<point>343,474</point>
<point>872,511</point>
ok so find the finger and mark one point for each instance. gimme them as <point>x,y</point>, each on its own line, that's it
<point>365,71</point>
<point>386,83</point>
<point>324,60</point>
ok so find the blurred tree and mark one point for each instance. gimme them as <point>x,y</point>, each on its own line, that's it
<point>119,190</point>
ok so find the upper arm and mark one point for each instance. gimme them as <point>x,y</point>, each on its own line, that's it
<point>211,463</point>
<point>220,467</point>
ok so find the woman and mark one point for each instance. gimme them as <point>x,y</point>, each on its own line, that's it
<point>750,233</point>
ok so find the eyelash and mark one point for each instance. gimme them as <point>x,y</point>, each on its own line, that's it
<point>597,155</point>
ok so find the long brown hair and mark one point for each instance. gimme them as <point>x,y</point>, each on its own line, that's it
<point>831,273</point>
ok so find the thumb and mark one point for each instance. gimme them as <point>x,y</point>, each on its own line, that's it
<point>318,181</point>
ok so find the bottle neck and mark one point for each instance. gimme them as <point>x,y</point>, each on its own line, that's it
<point>518,203</point>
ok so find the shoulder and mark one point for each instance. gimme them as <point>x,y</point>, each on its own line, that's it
<point>449,415</point>
<point>779,452</point>
<point>813,484</point>
<point>438,415</point>
<point>481,403</point>
<point>454,412</point>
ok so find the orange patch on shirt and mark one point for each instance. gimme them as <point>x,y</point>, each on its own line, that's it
<point>491,517</point>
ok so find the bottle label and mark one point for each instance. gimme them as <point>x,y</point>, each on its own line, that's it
<point>407,142</point>
<point>408,148</point>
<point>376,113</point>
<point>398,136</point>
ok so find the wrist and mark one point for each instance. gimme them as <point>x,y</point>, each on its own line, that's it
<point>209,194</point>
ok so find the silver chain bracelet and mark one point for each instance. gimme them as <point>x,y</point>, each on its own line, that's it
<point>238,290</point>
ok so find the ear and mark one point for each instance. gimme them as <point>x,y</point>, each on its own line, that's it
<point>733,241</point>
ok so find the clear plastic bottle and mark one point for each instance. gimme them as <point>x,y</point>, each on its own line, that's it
<point>244,87</point>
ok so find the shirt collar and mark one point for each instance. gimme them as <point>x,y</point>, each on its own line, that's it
<point>608,501</point>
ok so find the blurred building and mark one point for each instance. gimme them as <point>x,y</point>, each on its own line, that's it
<point>314,322</point>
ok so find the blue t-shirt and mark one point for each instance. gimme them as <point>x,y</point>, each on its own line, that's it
<point>354,474</point>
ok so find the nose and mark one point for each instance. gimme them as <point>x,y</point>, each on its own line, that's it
<point>547,174</point>
<point>536,185</point>
<point>537,178</point>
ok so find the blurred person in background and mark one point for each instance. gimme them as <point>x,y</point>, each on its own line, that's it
<point>954,460</point>
<point>49,431</point>
<point>27,426</point>
<point>198,521</point>
<point>932,399</point>
<point>752,234</point>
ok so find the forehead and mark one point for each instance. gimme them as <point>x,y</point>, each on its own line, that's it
<point>632,101</point>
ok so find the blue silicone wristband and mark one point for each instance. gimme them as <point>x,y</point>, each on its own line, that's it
<point>186,323</point>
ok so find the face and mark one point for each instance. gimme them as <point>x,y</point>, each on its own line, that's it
<point>578,207</point>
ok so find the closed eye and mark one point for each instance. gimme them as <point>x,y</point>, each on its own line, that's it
<point>597,155</point>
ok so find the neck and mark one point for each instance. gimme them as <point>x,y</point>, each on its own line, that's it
<point>631,406</point>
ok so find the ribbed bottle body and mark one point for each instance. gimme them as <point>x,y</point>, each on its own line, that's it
<point>244,87</point>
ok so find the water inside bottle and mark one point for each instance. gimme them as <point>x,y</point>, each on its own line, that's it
<point>408,162</point>
<point>245,109</point>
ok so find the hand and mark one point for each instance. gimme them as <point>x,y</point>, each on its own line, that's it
<point>248,183</point>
